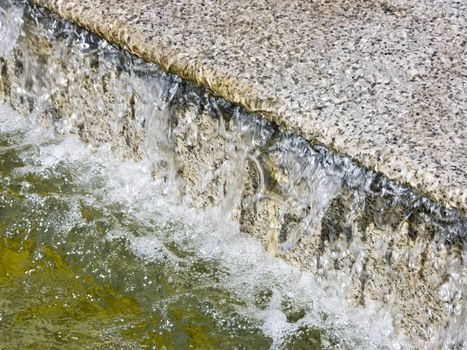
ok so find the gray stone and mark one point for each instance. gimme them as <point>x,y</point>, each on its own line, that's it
<point>383,83</point>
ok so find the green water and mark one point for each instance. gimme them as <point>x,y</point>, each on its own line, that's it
<point>78,272</point>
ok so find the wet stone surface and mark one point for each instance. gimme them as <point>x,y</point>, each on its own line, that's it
<point>381,82</point>
<point>365,237</point>
<point>92,257</point>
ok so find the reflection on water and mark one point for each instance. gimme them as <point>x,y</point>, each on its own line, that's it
<point>374,240</point>
<point>66,277</point>
<point>91,257</point>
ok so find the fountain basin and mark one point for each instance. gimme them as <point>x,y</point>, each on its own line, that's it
<point>366,237</point>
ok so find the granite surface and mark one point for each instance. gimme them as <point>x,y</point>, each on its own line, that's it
<point>382,82</point>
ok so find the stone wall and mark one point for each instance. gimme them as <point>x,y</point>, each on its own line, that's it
<point>363,236</point>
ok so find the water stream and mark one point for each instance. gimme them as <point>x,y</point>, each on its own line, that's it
<point>137,237</point>
<point>93,257</point>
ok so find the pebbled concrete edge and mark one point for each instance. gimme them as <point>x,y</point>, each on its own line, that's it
<point>238,92</point>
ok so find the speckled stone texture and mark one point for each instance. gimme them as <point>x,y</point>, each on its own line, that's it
<point>382,82</point>
<point>370,241</point>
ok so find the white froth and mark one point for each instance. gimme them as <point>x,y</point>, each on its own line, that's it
<point>249,268</point>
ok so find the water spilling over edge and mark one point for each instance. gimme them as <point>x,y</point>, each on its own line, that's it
<point>244,269</point>
<point>313,193</point>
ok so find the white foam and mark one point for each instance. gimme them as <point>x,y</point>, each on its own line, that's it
<point>10,121</point>
<point>247,268</point>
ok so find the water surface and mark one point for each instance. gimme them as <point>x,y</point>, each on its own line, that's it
<point>93,256</point>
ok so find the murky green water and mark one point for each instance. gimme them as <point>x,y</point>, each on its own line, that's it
<point>89,260</point>
<point>93,254</point>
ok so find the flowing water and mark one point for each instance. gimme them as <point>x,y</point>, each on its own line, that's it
<point>101,252</point>
<point>92,257</point>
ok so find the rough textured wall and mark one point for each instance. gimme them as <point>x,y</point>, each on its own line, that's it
<point>362,235</point>
<point>382,82</point>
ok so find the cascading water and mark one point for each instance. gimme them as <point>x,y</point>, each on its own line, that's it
<point>10,26</point>
<point>204,167</point>
<point>94,256</point>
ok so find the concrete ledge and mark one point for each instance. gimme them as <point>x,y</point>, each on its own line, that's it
<point>381,83</point>
<point>364,237</point>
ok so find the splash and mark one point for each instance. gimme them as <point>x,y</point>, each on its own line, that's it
<point>82,216</point>
<point>366,240</point>
<point>11,20</point>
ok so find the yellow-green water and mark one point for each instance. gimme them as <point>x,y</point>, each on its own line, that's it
<point>80,272</point>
